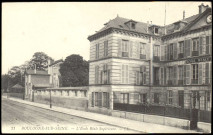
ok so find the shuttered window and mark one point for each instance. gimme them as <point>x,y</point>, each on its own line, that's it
<point>105,99</point>
<point>105,48</point>
<point>200,73</point>
<point>187,48</point>
<point>142,98</point>
<point>137,75</point>
<point>156,50</point>
<point>175,75</point>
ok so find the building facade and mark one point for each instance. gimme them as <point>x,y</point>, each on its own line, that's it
<point>133,62</point>
<point>35,79</point>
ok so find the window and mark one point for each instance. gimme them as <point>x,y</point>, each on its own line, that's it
<point>76,93</point>
<point>139,78</point>
<point>96,98</point>
<point>180,71</point>
<point>125,48</point>
<point>133,25</point>
<point>195,74</point>
<point>85,93</point>
<point>156,30</point>
<point>156,75</point>
<point>171,52</point>
<point>92,99</point>
<point>143,98</point>
<point>106,74</point>
<point>195,42</point>
<point>170,73</point>
<point>181,47</point>
<point>156,50</point>
<point>142,51</point>
<point>97,51</point>
<point>105,99</point>
<point>170,97</point>
<point>125,74</point>
<point>106,48</point>
<point>156,98</point>
<point>96,74</point>
<point>125,98</point>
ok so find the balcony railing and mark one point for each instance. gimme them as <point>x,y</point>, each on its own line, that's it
<point>194,81</point>
<point>156,58</point>
<point>180,55</point>
<point>180,82</point>
<point>125,54</point>
<point>142,56</point>
<point>156,82</point>
<point>194,53</point>
<point>170,82</point>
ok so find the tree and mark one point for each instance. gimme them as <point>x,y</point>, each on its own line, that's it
<point>16,76</point>
<point>74,71</point>
<point>4,82</point>
<point>40,59</point>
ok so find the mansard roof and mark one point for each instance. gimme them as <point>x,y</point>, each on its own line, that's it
<point>141,27</point>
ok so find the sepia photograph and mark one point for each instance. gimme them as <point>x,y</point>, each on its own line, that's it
<point>106,67</point>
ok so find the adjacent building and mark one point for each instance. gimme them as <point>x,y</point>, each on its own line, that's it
<point>35,79</point>
<point>55,76</point>
<point>134,62</point>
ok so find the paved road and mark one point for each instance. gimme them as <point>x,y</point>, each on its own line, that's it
<point>22,118</point>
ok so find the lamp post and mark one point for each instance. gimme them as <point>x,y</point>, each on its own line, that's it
<point>50,100</point>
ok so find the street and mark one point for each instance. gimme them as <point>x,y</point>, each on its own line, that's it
<point>22,118</point>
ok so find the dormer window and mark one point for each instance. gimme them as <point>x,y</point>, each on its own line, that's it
<point>133,25</point>
<point>156,30</point>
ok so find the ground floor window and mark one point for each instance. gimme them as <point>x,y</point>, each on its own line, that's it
<point>143,98</point>
<point>100,99</point>
<point>170,97</point>
<point>156,98</point>
<point>125,98</point>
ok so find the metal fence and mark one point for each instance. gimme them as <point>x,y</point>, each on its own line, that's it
<point>168,104</point>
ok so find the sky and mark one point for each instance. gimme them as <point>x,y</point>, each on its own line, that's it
<point>60,29</point>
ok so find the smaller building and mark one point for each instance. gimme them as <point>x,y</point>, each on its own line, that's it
<point>53,71</point>
<point>35,79</point>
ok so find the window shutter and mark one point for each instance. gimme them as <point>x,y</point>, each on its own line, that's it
<point>165,79</point>
<point>210,44</point>
<point>165,52</point>
<point>168,52</point>
<point>130,49</point>
<point>108,77</point>
<point>144,78</point>
<point>146,51</point>
<point>189,47</point>
<point>207,73</point>
<point>201,46</point>
<point>175,75</point>
<point>184,74</point>
<point>207,45</point>
<point>162,77</point>
<point>185,48</point>
<point>102,78</point>
<point>188,74</point>
<point>119,47</point>
<point>175,51</point>
<point>92,103</point>
<point>200,77</point>
<point>138,50</point>
<point>162,52</point>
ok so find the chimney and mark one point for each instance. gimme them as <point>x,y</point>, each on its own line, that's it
<point>202,8</point>
<point>183,14</point>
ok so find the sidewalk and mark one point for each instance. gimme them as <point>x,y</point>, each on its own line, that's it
<point>116,121</point>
